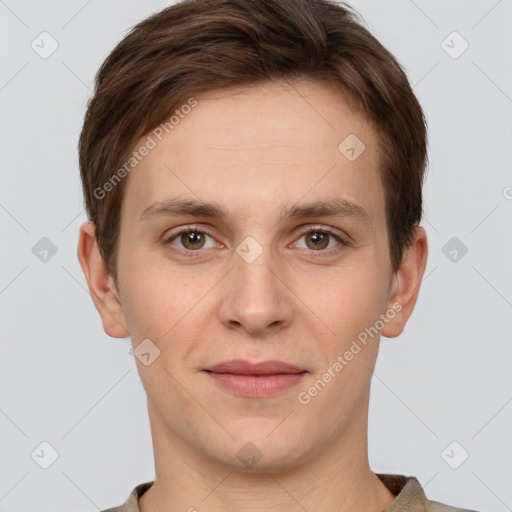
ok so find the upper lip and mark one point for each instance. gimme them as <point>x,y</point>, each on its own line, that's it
<point>241,367</point>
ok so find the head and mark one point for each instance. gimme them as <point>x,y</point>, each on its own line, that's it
<point>252,123</point>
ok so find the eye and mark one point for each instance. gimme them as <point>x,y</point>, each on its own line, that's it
<point>322,240</point>
<point>191,239</point>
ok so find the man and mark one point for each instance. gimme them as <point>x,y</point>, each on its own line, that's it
<point>252,172</point>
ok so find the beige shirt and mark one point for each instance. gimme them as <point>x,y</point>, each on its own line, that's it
<point>410,497</point>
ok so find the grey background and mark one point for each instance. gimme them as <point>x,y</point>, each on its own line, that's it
<point>446,378</point>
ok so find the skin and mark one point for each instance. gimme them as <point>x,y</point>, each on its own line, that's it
<point>255,151</point>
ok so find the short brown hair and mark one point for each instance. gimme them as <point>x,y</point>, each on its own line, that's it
<point>199,45</point>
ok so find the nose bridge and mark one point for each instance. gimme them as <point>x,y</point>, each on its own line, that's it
<point>253,263</point>
<point>255,296</point>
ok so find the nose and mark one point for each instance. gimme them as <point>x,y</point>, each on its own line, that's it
<point>256,298</point>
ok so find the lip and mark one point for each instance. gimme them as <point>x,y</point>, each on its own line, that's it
<point>256,380</point>
<point>241,367</point>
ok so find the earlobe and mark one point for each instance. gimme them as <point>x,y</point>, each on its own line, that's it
<point>406,284</point>
<point>101,285</point>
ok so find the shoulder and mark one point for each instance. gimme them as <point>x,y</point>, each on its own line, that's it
<point>435,506</point>
<point>411,497</point>
<point>132,503</point>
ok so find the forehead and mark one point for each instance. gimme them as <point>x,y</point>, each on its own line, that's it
<point>257,148</point>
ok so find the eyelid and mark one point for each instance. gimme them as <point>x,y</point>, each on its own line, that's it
<point>326,229</point>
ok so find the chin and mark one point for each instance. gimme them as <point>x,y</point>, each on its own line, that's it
<point>261,448</point>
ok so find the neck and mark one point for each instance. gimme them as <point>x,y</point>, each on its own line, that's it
<point>336,477</point>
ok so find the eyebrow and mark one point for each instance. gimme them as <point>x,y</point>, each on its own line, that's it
<point>329,208</point>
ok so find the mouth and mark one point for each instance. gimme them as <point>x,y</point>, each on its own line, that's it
<point>241,367</point>
<point>256,380</point>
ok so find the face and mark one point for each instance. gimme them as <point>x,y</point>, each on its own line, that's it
<point>253,284</point>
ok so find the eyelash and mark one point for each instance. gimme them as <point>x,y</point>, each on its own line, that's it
<point>193,229</point>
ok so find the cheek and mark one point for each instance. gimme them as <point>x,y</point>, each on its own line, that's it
<point>149,312</point>
<point>159,304</point>
<point>148,301</point>
<point>347,300</point>
<point>350,306</point>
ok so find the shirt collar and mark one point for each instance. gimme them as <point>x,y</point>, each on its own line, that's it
<point>410,496</point>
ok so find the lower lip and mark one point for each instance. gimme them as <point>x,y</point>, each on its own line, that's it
<point>257,385</point>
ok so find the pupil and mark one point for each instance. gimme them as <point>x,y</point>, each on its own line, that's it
<point>192,238</point>
<point>318,239</point>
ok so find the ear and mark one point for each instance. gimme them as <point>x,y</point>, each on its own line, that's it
<point>406,284</point>
<point>101,284</point>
